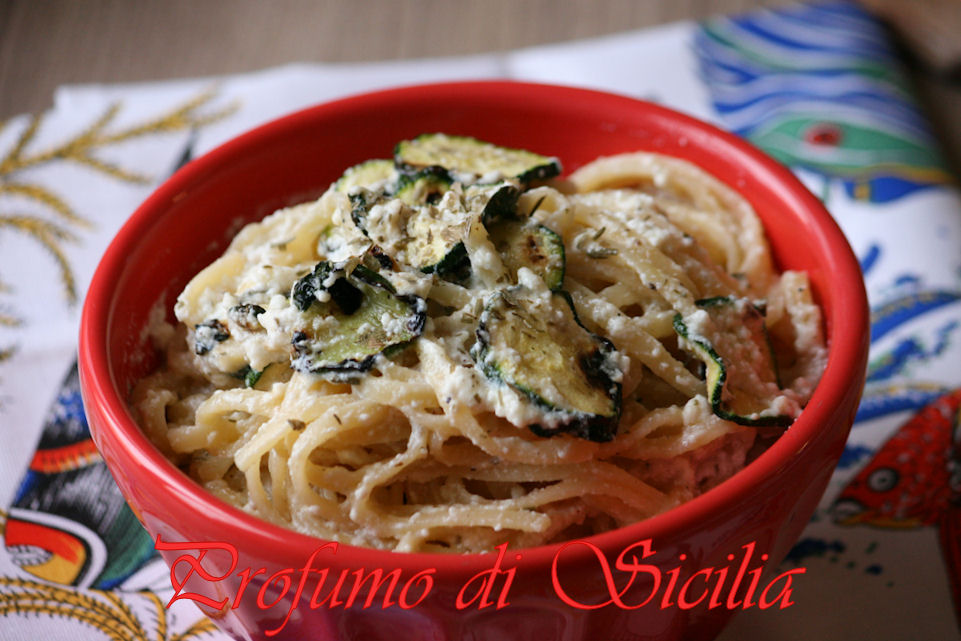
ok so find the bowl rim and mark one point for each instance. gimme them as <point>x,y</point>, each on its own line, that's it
<point>847,351</point>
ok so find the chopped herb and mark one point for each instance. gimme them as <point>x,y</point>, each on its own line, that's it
<point>248,375</point>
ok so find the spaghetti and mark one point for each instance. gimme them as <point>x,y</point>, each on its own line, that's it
<point>445,360</point>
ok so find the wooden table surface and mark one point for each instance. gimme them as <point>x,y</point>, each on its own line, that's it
<point>46,43</point>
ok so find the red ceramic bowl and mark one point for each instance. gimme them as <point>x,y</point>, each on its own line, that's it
<point>550,592</point>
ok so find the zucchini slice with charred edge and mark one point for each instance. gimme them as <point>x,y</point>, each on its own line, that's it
<point>363,317</point>
<point>468,157</point>
<point>495,201</point>
<point>432,240</point>
<point>427,186</point>
<point>740,370</point>
<point>367,174</point>
<point>327,279</point>
<point>435,243</point>
<point>529,244</point>
<point>536,344</point>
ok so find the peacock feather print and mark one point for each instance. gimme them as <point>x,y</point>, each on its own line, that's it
<point>81,552</point>
<point>68,523</point>
<point>818,87</point>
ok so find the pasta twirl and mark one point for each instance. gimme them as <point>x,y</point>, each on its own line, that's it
<point>447,354</point>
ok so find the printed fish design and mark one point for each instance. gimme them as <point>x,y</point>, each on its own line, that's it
<point>914,480</point>
<point>69,524</point>
<point>817,87</point>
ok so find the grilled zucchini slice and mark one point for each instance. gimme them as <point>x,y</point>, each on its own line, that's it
<point>419,234</point>
<point>437,249</point>
<point>472,160</point>
<point>495,201</point>
<point>424,187</point>
<point>350,318</point>
<point>368,174</point>
<point>740,370</point>
<point>534,342</point>
<point>525,243</point>
<point>326,282</point>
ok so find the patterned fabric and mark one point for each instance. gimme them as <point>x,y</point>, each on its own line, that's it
<point>817,86</point>
<point>73,553</point>
<point>69,523</point>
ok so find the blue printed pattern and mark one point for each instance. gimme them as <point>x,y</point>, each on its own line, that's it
<point>895,378</point>
<point>818,87</point>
